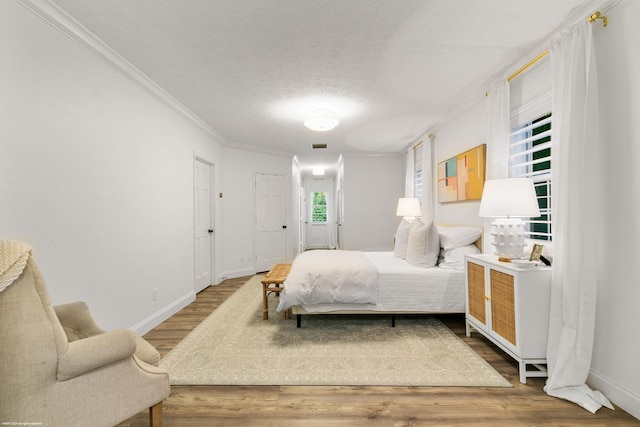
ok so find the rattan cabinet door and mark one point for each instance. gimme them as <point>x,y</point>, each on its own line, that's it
<point>503,318</point>
<point>476,290</point>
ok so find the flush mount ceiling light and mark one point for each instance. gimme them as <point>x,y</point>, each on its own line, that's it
<point>321,120</point>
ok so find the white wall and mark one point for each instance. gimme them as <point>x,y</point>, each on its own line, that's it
<point>238,206</point>
<point>617,349</point>
<point>97,175</point>
<point>466,130</point>
<point>614,368</point>
<point>372,186</point>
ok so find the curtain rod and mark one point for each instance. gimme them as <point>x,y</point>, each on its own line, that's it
<point>430,136</point>
<point>528,64</point>
<point>597,15</point>
<point>593,18</point>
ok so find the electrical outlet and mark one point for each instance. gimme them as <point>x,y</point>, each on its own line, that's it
<point>155,294</point>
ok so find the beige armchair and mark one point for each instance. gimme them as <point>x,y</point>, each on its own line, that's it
<point>58,368</point>
<point>77,323</point>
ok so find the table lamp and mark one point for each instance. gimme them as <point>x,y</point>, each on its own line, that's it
<point>508,200</point>
<point>409,208</point>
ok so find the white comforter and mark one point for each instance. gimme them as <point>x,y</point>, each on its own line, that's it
<point>329,276</point>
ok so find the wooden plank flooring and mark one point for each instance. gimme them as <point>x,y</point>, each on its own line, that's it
<point>362,406</point>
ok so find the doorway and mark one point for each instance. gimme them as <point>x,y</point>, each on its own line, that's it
<point>204,224</point>
<point>319,213</point>
<point>271,220</point>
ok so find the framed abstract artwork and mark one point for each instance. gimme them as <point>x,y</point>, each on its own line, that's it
<point>461,177</point>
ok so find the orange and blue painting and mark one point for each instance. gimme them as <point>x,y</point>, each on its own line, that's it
<point>461,177</point>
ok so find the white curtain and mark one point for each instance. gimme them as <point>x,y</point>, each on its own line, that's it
<point>576,199</point>
<point>427,181</point>
<point>409,172</point>
<point>498,130</point>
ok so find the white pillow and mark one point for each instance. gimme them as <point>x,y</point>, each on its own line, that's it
<point>423,246</point>
<point>456,237</point>
<point>454,258</point>
<point>457,254</point>
<point>402,237</point>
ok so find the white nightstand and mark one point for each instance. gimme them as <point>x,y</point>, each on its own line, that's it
<point>509,304</point>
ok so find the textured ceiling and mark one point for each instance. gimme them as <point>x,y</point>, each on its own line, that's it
<point>252,69</point>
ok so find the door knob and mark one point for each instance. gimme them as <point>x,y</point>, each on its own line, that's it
<point>210,231</point>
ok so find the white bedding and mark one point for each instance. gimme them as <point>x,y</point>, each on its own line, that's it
<point>406,288</point>
<point>330,277</point>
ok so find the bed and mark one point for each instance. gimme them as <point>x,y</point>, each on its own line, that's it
<point>393,282</point>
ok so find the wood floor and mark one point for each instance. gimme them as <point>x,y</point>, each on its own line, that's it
<point>362,406</point>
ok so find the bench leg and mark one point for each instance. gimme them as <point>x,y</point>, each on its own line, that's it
<point>265,303</point>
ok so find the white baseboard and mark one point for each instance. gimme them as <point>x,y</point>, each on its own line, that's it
<point>618,395</point>
<point>166,312</point>
<point>160,316</point>
<point>235,273</point>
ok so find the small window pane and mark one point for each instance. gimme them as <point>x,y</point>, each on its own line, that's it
<point>417,171</point>
<point>319,207</point>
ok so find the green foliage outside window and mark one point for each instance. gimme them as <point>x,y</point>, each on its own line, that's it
<point>541,227</point>
<point>319,207</point>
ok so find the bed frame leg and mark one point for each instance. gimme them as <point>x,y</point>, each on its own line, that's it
<point>393,320</point>
<point>298,320</point>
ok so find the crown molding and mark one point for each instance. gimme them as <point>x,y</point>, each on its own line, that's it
<point>255,148</point>
<point>355,155</point>
<point>53,15</point>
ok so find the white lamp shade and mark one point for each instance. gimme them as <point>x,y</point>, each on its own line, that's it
<point>408,206</point>
<point>509,197</point>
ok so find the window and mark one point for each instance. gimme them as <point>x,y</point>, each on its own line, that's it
<point>417,171</point>
<point>530,156</point>
<point>319,207</point>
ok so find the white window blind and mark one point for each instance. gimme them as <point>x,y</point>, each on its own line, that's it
<point>417,172</point>
<point>530,156</point>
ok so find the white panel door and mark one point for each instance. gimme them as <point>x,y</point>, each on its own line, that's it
<point>319,234</point>
<point>270,226</point>
<point>302,231</point>
<point>338,229</point>
<point>204,231</point>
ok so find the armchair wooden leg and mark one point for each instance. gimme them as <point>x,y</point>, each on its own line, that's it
<point>155,415</point>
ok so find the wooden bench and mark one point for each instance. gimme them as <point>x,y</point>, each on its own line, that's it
<point>272,282</point>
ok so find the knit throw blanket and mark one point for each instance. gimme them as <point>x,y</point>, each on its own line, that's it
<point>13,258</point>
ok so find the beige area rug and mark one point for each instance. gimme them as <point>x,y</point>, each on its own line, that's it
<point>235,346</point>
